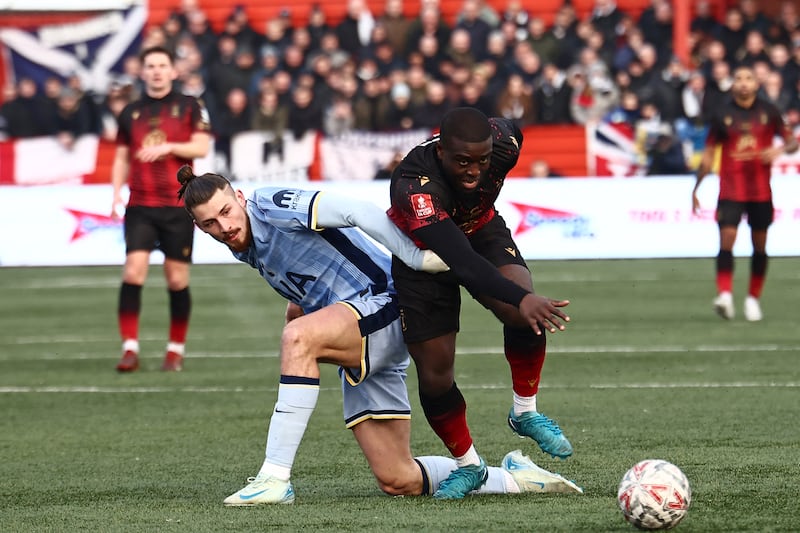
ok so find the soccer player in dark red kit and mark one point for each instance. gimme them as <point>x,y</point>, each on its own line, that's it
<point>442,196</point>
<point>745,128</point>
<point>158,134</point>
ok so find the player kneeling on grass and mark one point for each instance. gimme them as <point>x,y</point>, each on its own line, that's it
<point>342,310</point>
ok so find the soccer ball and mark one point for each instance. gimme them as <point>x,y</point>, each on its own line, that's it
<point>654,494</point>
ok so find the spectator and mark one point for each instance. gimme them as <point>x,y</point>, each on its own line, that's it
<point>660,34</point>
<point>200,30</point>
<point>459,50</point>
<point>272,117</point>
<point>542,42</point>
<point>397,25</point>
<point>222,72</point>
<point>385,172</point>
<point>355,30</point>
<point>519,17</point>
<point>718,86</point>
<point>317,27</point>
<point>627,112</point>
<point>478,29</point>
<point>704,20</point>
<point>541,169</point>
<point>276,35</point>
<point>773,91</point>
<point>780,60</point>
<point>339,117</point>
<point>430,113</point>
<point>552,95</point>
<point>753,18</point>
<point>305,115</point>
<point>430,25</point>
<point>666,156</point>
<point>233,118</point>
<point>371,106</point>
<point>400,113</point>
<point>732,34</point>
<point>515,102</point>
<point>606,18</point>
<point>754,49</point>
<point>72,118</point>
<point>592,98</point>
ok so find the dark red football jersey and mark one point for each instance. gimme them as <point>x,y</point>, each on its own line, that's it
<point>421,195</point>
<point>151,121</point>
<point>743,134</point>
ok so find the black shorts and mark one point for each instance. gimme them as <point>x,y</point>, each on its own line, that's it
<point>169,229</point>
<point>430,304</point>
<point>759,214</point>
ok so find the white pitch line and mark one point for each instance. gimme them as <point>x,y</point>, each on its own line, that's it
<point>489,350</point>
<point>229,390</point>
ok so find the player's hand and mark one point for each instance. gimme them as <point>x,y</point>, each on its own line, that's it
<point>543,311</point>
<point>149,154</point>
<point>771,154</point>
<point>695,203</point>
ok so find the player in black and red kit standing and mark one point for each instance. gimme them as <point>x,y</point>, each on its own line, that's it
<point>442,196</point>
<point>745,128</point>
<point>158,134</point>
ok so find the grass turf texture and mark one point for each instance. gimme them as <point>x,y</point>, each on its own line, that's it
<point>644,370</point>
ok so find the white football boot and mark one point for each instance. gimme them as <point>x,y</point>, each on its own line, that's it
<point>752,309</point>
<point>533,478</point>
<point>723,305</point>
<point>260,490</point>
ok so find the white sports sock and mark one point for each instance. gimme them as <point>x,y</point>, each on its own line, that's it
<point>130,345</point>
<point>524,404</point>
<point>176,347</point>
<point>469,458</point>
<point>437,469</point>
<point>287,426</point>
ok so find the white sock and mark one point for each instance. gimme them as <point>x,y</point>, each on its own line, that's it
<point>469,458</point>
<point>438,468</point>
<point>524,404</point>
<point>287,425</point>
<point>176,347</point>
<point>130,345</point>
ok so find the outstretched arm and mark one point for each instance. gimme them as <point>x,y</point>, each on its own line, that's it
<point>337,211</point>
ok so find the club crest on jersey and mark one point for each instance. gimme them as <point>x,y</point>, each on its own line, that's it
<point>422,205</point>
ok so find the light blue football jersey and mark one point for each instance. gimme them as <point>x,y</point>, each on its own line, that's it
<point>311,266</point>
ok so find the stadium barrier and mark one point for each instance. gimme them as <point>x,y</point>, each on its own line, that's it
<point>551,219</point>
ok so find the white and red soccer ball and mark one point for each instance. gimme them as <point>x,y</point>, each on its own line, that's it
<point>654,494</point>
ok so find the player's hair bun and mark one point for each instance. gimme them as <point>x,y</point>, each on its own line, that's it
<point>185,175</point>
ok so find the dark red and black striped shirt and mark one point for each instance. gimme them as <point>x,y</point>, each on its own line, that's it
<point>744,134</point>
<point>150,121</point>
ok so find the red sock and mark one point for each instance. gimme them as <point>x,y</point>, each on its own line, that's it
<point>526,360</point>
<point>447,416</point>
<point>128,325</point>
<point>180,306</point>
<point>756,285</point>
<point>724,281</point>
<point>130,303</point>
<point>178,328</point>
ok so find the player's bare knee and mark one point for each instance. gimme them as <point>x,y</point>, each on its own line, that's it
<point>294,343</point>
<point>397,486</point>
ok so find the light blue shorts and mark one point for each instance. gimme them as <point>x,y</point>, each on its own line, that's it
<point>377,390</point>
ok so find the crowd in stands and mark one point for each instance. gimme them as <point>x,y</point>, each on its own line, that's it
<point>390,72</point>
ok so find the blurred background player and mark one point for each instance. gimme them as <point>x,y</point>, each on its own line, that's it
<point>744,128</point>
<point>442,196</point>
<point>342,310</point>
<point>158,134</point>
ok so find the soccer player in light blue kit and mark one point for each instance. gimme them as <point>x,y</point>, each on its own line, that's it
<point>342,310</point>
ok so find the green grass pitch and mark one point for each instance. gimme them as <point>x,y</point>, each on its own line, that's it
<point>644,370</point>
